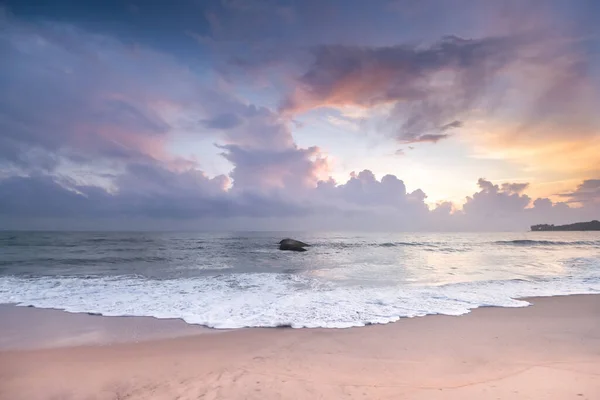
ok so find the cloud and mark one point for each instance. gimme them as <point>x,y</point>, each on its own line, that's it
<point>514,187</point>
<point>493,200</point>
<point>587,192</point>
<point>144,191</point>
<point>154,192</point>
<point>96,101</point>
<point>259,144</point>
<point>222,121</point>
<point>364,191</point>
<point>247,125</point>
<point>451,125</point>
<point>292,169</point>
<point>87,122</point>
<point>73,101</point>
<point>505,207</point>
<point>432,138</point>
<point>430,88</point>
<point>512,91</point>
<point>363,202</point>
<point>40,197</point>
<point>69,95</point>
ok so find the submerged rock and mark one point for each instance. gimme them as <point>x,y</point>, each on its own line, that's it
<point>292,245</point>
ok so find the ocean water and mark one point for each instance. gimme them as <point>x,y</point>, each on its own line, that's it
<point>235,280</point>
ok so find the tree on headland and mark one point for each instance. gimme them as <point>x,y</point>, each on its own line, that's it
<point>579,226</point>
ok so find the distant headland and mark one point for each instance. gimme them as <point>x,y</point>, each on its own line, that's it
<point>579,226</point>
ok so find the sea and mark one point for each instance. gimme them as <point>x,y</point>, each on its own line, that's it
<point>236,280</point>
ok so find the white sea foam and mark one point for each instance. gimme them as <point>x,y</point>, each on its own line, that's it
<point>268,300</point>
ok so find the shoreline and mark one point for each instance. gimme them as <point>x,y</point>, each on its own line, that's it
<point>56,328</point>
<point>95,329</point>
<point>550,350</point>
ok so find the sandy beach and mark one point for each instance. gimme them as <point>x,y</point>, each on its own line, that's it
<point>550,350</point>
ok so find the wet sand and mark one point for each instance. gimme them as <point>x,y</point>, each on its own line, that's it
<point>550,350</point>
<point>34,328</point>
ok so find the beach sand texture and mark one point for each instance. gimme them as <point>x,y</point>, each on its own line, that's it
<point>550,350</point>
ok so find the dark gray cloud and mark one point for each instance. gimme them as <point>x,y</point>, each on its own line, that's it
<point>222,121</point>
<point>514,187</point>
<point>451,125</point>
<point>587,192</point>
<point>162,194</point>
<point>432,87</point>
<point>40,196</point>
<point>428,137</point>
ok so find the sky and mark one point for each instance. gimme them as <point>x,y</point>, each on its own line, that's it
<point>391,115</point>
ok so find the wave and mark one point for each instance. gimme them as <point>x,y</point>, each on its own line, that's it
<point>84,261</point>
<point>399,244</point>
<point>528,242</point>
<point>458,247</point>
<point>269,300</point>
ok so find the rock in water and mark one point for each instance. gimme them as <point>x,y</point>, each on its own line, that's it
<point>292,245</point>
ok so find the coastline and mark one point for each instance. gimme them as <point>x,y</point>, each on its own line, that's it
<point>549,350</point>
<point>59,328</point>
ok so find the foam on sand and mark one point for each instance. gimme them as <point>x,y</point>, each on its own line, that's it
<point>270,300</point>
